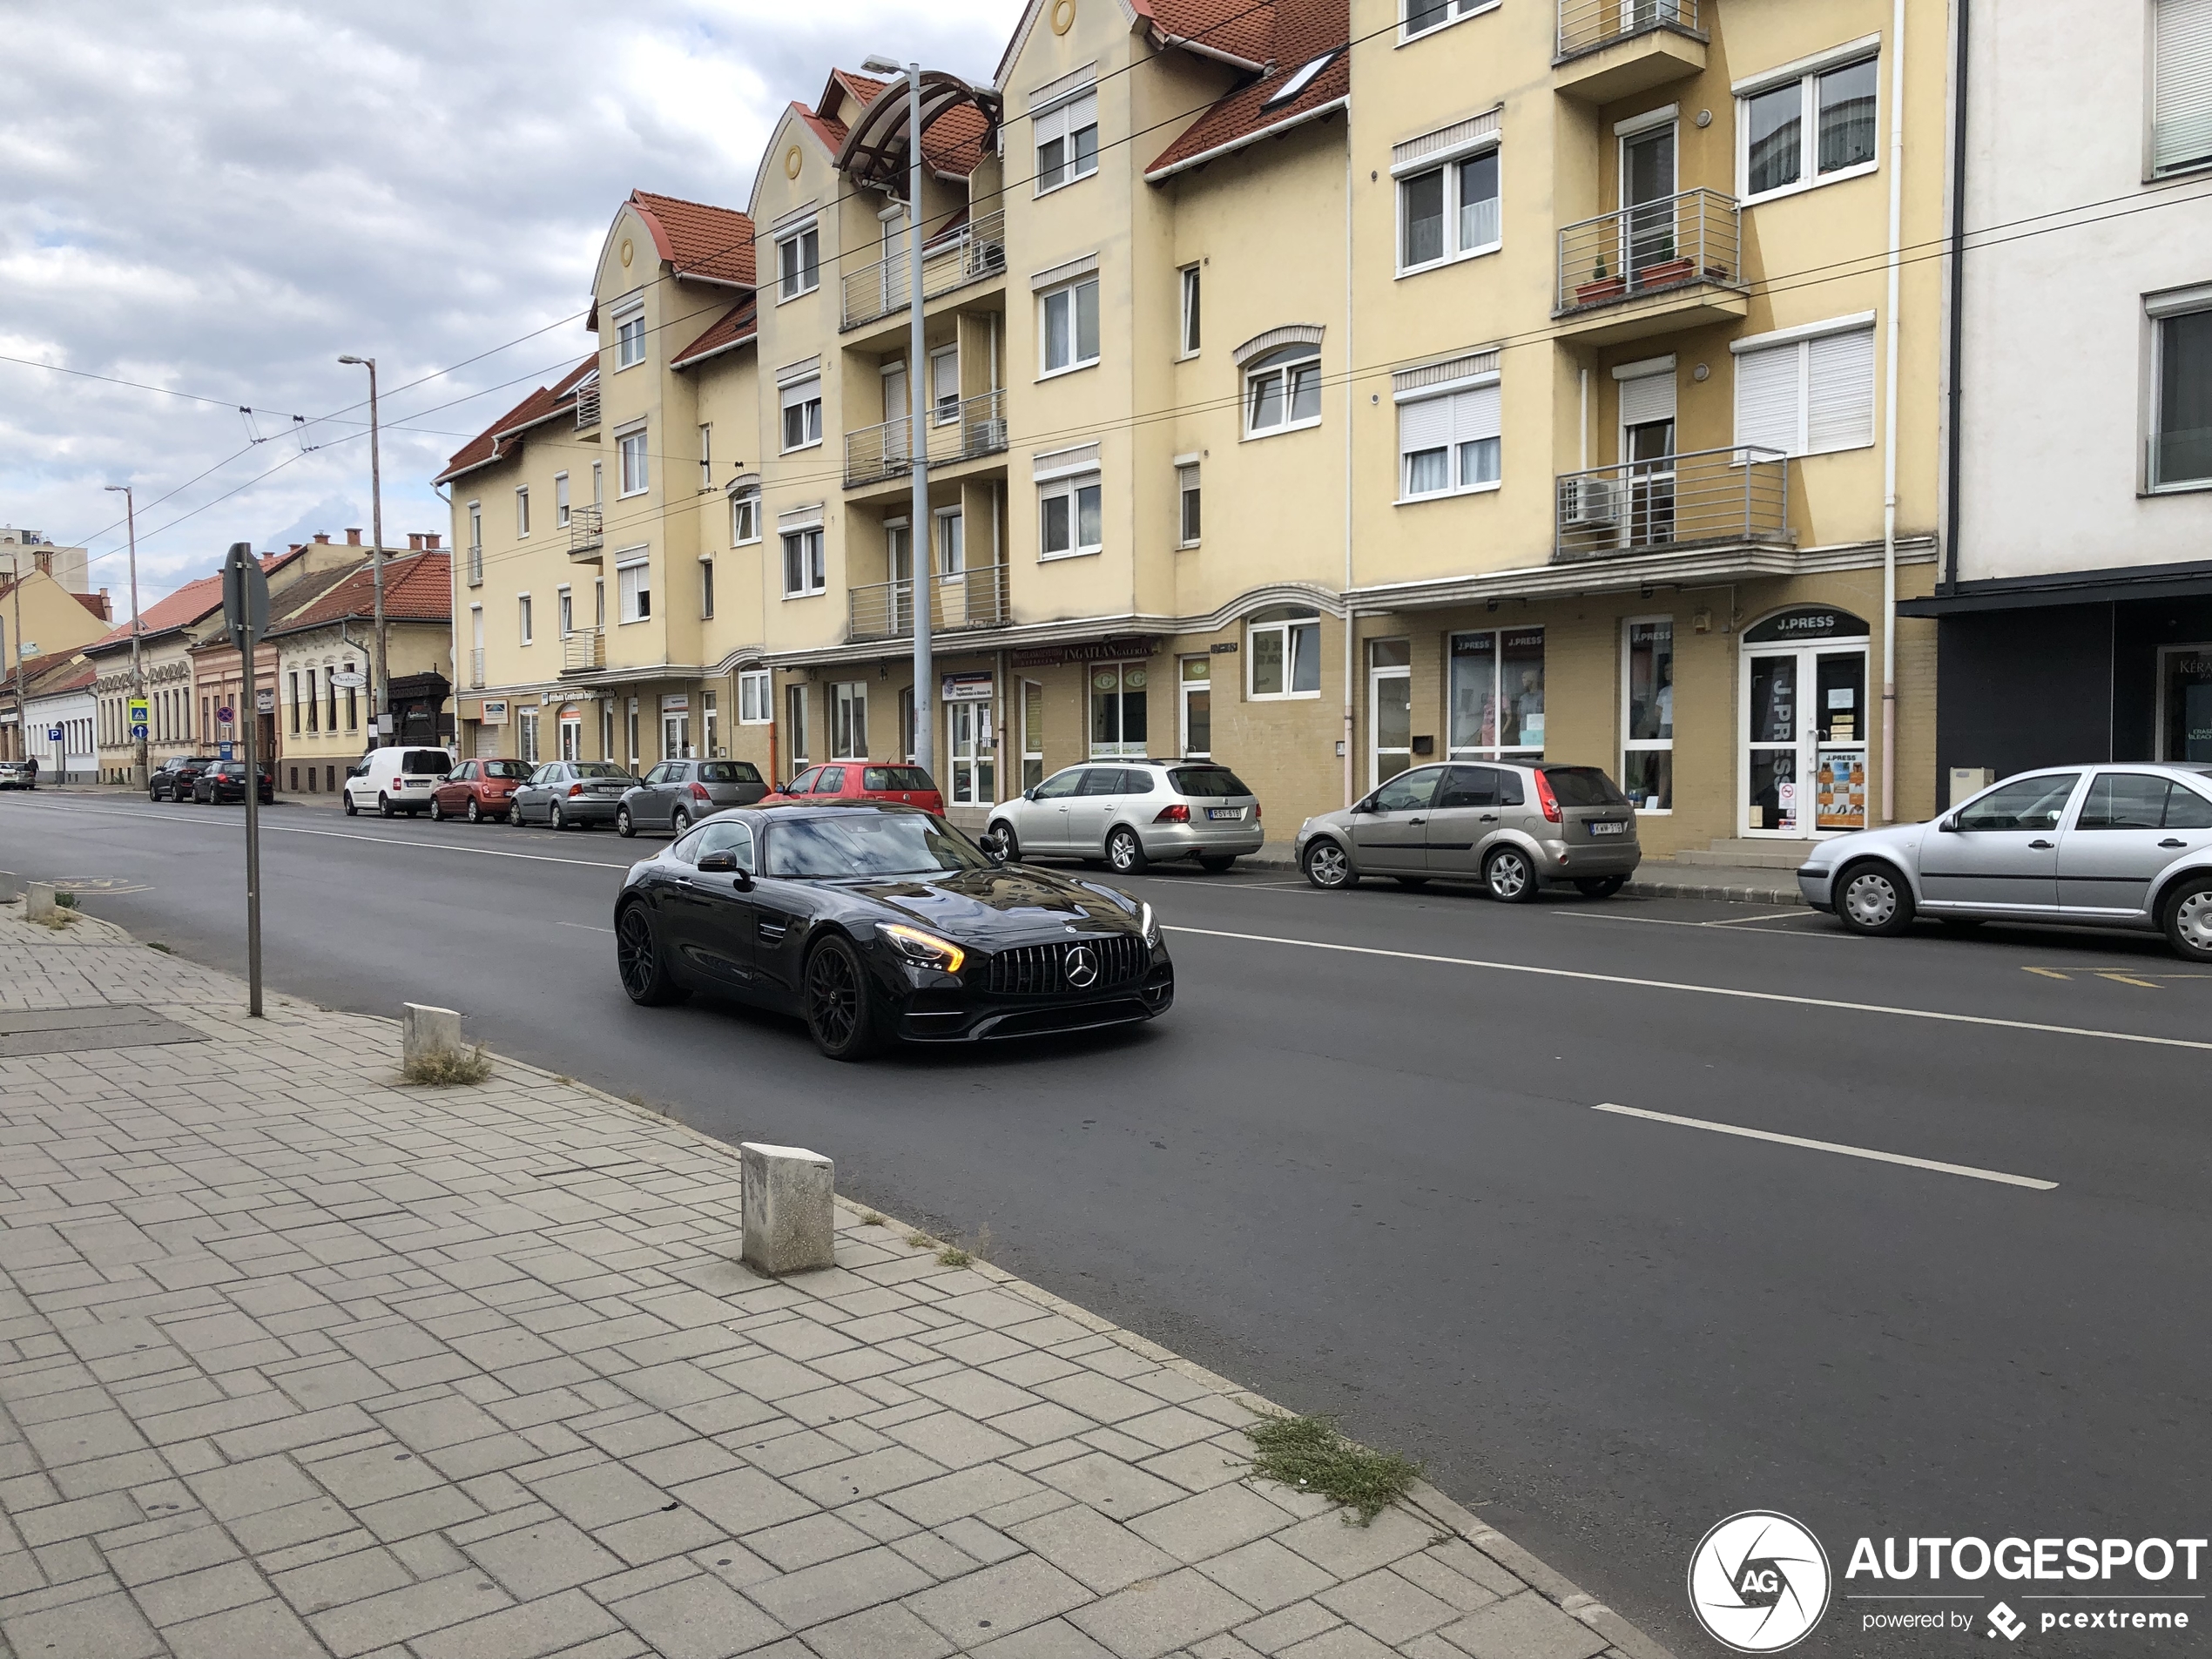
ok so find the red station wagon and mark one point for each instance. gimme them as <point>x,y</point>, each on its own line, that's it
<point>861,780</point>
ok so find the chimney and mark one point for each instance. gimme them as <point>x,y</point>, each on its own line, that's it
<point>430,541</point>
<point>414,543</point>
<point>321,539</point>
<point>296,546</point>
<point>353,539</point>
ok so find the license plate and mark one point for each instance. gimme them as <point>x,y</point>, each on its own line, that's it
<point>1610,828</point>
<point>1224,812</point>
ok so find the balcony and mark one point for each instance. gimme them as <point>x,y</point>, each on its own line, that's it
<point>587,532</point>
<point>975,598</point>
<point>1652,268</point>
<point>1613,49</point>
<point>961,431</point>
<point>1709,496</point>
<point>476,669</point>
<point>476,565</point>
<point>973,252</point>
<point>587,404</point>
<point>582,651</point>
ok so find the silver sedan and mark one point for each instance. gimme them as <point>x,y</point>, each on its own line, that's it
<point>2127,846</point>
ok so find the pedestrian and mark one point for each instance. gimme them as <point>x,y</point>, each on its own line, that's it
<point>32,766</point>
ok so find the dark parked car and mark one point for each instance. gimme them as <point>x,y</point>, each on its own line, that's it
<point>677,793</point>
<point>875,921</point>
<point>571,794</point>
<point>221,781</point>
<point>174,778</point>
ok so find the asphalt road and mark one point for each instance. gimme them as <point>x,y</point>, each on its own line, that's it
<point>1369,1182</point>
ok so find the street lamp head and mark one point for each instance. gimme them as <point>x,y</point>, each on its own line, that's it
<point>117,489</point>
<point>877,63</point>
<point>355,361</point>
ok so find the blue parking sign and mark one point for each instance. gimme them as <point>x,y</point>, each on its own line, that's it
<point>53,734</point>
<point>223,751</point>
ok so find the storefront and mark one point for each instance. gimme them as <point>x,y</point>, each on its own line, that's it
<point>1803,715</point>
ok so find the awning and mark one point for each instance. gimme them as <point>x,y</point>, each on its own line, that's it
<point>2188,581</point>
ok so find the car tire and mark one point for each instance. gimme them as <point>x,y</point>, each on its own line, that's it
<point>384,807</point>
<point>1412,883</point>
<point>624,824</point>
<point>1600,886</point>
<point>1010,843</point>
<point>2188,920</point>
<point>640,962</point>
<point>1125,852</point>
<point>1327,865</point>
<point>475,811</point>
<point>679,821</point>
<point>1873,898</point>
<point>1508,877</point>
<point>1216,866</point>
<point>840,1003</point>
<point>437,810</point>
<point>346,798</point>
<point>555,818</point>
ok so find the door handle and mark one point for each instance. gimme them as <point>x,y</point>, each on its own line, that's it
<point>2041,847</point>
<point>1417,821</point>
<point>2173,840</point>
<point>1488,818</point>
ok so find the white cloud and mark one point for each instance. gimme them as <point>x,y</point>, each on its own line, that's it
<point>220,198</point>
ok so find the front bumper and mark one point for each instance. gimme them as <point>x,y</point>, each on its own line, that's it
<point>932,1007</point>
<point>1818,883</point>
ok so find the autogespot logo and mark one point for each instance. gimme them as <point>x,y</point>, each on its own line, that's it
<point>1758,1582</point>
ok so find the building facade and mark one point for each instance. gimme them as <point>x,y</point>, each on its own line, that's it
<point>62,721</point>
<point>1321,390</point>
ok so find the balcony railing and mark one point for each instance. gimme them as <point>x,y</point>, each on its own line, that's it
<point>975,598</point>
<point>976,249</point>
<point>584,650</point>
<point>1585,25</point>
<point>975,426</point>
<point>587,530</point>
<point>587,405</point>
<point>476,669</point>
<point>475,566</point>
<point>1676,242</point>
<point>1708,495</point>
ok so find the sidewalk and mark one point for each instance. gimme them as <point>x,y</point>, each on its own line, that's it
<point>298,1361</point>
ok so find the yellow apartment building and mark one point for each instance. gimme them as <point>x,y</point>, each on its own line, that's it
<point>1320,390</point>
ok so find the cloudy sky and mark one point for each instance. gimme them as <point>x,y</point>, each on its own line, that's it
<point>218,200</point>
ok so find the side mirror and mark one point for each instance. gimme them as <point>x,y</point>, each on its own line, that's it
<point>722,861</point>
<point>1029,793</point>
<point>1948,823</point>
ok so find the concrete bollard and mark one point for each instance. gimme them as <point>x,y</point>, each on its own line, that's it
<point>39,902</point>
<point>425,1031</point>
<point>790,1212</point>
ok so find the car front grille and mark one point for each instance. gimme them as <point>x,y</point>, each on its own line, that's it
<point>1042,971</point>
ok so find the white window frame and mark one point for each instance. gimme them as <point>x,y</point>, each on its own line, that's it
<point>1189,489</point>
<point>564,611</point>
<point>1065,120</point>
<point>560,501</point>
<point>745,518</point>
<point>629,334</point>
<point>948,526</point>
<point>1190,315</point>
<point>814,573</point>
<point>2160,310</point>
<point>943,410</point>
<point>1071,489</point>
<point>1458,486</point>
<point>847,707</point>
<point>756,698</point>
<point>631,446</point>
<point>1451,163</point>
<point>1454,10</point>
<point>1289,628</point>
<point>706,587</point>
<point>795,397</point>
<point>1807,72</point>
<point>2197,159</point>
<point>627,610</point>
<point>598,483</point>
<point>1072,292</point>
<point>1292,356</point>
<point>802,275</point>
<point>1646,746</point>
<point>521,512</point>
<point>706,457</point>
<point>523,618</point>
<point>1803,341</point>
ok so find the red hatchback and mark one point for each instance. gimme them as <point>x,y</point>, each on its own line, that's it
<point>476,790</point>
<point>861,780</point>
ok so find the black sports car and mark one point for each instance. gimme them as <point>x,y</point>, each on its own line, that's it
<point>873,921</point>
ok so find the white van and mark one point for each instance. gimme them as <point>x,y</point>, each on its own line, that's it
<point>396,780</point>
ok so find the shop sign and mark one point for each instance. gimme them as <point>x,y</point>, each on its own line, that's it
<point>571,714</point>
<point>1039,657</point>
<point>1805,623</point>
<point>966,688</point>
<point>349,680</point>
<point>1226,648</point>
<point>675,702</point>
<point>495,711</point>
<point>264,701</point>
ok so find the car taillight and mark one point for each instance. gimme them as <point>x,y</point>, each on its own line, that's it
<point>1177,813</point>
<point>1254,812</point>
<point>698,793</point>
<point>1545,799</point>
<point>574,790</point>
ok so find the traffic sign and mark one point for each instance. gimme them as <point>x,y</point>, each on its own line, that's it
<point>245,595</point>
<point>138,732</point>
<point>223,751</point>
<point>264,701</point>
<point>226,715</point>
<point>137,713</point>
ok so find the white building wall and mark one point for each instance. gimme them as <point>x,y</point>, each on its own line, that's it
<point>76,758</point>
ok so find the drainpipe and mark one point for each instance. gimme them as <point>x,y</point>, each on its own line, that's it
<point>1350,400</point>
<point>1889,421</point>
<point>1958,321</point>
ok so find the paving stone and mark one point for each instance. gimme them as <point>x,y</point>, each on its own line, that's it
<point>178,1551</point>
<point>1054,1639</point>
<point>105,1627</point>
<point>701,1618</point>
<point>1348,1551</point>
<point>1390,1608</point>
<point>599,1494</point>
<point>1108,1483</point>
<point>801,1543</point>
<point>1156,1615</point>
<point>1103,1553</point>
<point>665,1531</point>
<point>320,1586</point>
<point>1266,1574</point>
<point>1450,1585</point>
<point>1346,1642</point>
<point>249,1488</point>
<point>742,1500</point>
<point>1523,1626</point>
<point>1196,1528</point>
<point>831,1589</point>
<point>1023,1591</point>
<point>539,1560</point>
<point>531,1631</point>
<point>952,1441</point>
<point>877,1632</point>
<point>969,1492</point>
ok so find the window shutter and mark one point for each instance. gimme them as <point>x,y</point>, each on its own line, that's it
<point>1053,124</point>
<point>1084,112</point>
<point>1647,398</point>
<point>2182,105</point>
<point>1768,396</point>
<point>802,392</point>
<point>1475,415</point>
<point>1425,424</point>
<point>1839,402</point>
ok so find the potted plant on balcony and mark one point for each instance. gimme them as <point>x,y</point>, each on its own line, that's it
<point>1601,287</point>
<point>1666,269</point>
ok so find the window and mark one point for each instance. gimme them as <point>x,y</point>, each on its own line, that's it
<point>598,483</point>
<point>1070,513</point>
<point>2181,130</point>
<point>1421,15</point>
<point>599,602</point>
<point>1497,695</point>
<point>706,589</point>
<point>629,338</point>
<point>951,540</point>
<point>564,611</point>
<point>744,517</point>
<point>1032,734</point>
<point>1449,443</point>
<point>802,402</point>
<point>2180,444</point>
<point>295,699</point>
<point>1067,137</point>
<point>848,716</point>
<point>1449,212</point>
<point>1188,518</point>
<point>1837,105</point>
<point>1283,647</point>
<point>1648,713</point>
<point>634,476</point>
<point>706,455</point>
<point>1283,390</point>
<point>523,512</point>
<point>803,572</point>
<point>2028,803</point>
<point>1189,335</point>
<point>798,262</point>
<point>2185,703</point>
<point>526,723</point>
<point>1117,712</point>
<point>634,590</point>
<point>523,617</point>
<point>1071,325</point>
<point>1807,396</point>
<point>314,705</point>
<point>944,384</point>
<point>753,705</point>
<point>561,500</point>
<point>2137,800</point>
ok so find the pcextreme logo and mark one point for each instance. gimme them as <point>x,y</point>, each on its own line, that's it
<point>1759,1581</point>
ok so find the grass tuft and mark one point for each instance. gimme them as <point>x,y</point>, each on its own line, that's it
<point>66,899</point>
<point>155,944</point>
<point>1309,1455</point>
<point>920,1241</point>
<point>869,1218</point>
<point>448,1067</point>
<point>953,1256</point>
<point>59,922</point>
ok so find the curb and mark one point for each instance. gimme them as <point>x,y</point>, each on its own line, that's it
<point>1723,893</point>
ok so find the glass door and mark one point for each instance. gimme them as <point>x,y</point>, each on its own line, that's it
<point>1647,205</point>
<point>1117,713</point>
<point>1837,718</point>
<point>974,773</point>
<point>676,735</point>
<point>2185,703</point>
<point>1389,709</point>
<point>1770,744</point>
<point>1805,741</point>
<point>1198,707</point>
<point>1032,734</point>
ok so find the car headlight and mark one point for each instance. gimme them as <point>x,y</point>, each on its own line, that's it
<point>1149,925</point>
<point>922,949</point>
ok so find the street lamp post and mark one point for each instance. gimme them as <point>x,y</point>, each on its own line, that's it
<point>138,669</point>
<point>380,701</point>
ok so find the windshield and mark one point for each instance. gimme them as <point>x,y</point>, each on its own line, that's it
<point>505,769</point>
<point>870,844</point>
<point>1207,780</point>
<point>728,772</point>
<point>596,769</point>
<point>1583,787</point>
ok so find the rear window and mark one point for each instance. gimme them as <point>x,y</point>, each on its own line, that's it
<point>896,777</point>
<point>728,772</point>
<point>505,769</point>
<point>596,769</point>
<point>1583,787</point>
<point>418,760</point>
<point>1206,780</point>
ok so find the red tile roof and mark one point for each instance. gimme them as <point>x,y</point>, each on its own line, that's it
<point>1242,31</point>
<point>418,586</point>
<point>710,244</point>
<point>828,130</point>
<point>737,324</point>
<point>1302,30</point>
<point>188,604</point>
<point>540,405</point>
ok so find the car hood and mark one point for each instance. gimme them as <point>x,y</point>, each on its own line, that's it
<point>1898,839</point>
<point>990,909</point>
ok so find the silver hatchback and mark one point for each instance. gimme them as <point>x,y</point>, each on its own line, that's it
<point>1131,812</point>
<point>1511,827</point>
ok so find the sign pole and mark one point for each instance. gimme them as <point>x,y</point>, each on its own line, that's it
<point>246,610</point>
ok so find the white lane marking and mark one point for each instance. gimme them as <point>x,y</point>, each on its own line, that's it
<point>342,835</point>
<point>1707,990</point>
<point>1832,1146</point>
<point>586,925</point>
<point>1671,922</point>
<point>1764,915</point>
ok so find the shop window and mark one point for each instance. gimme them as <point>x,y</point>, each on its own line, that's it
<point>1283,647</point>
<point>1196,685</point>
<point>2185,703</point>
<point>1837,105</point>
<point>849,712</point>
<point>1032,734</point>
<point>1497,694</point>
<point>1117,710</point>
<point>1648,713</point>
<point>2180,444</point>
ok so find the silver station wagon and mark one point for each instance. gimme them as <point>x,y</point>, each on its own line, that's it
<point>2097,846</point>
<point>1133,813</point>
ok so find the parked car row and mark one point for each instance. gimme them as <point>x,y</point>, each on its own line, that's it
<point>18,774</point>
<point>208,780</point>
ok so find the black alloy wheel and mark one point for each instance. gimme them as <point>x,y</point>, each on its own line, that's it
<point>1125,852</point>
<point>841,1009</point>
<point>1327,865</point>
<point>1871,898</point>
<point>1508,876</point>
<point>624,826</point>
<point>645,978</point>
<point>1600,886</point>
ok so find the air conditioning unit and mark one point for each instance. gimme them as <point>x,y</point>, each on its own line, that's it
<point>1587,503</point>
<point>986,437</point>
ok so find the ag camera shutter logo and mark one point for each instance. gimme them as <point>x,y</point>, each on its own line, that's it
<point>1759,1581</point>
